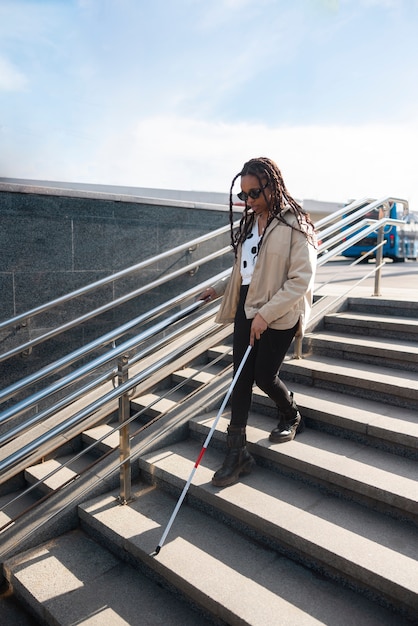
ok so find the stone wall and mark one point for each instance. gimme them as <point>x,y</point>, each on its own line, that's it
<point>54,242</point>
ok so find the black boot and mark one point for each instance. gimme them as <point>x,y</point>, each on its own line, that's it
<point>238,460</point>
<point>290,423</point>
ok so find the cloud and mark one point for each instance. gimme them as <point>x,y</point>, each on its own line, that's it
<point>334,163</point>
<point>321,162</point>
<point>11,78</point>
<point>340,162</point>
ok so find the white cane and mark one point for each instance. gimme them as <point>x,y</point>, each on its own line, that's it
<point>202,452</point>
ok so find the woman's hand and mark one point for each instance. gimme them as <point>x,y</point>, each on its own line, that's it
<point>208,294</point>
<point>258,326</point>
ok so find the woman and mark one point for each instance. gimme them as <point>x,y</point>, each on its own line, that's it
<point>268,297</point>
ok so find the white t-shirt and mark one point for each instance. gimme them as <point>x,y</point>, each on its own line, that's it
<point>249,254</point>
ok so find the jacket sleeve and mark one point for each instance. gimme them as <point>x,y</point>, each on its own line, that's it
<point>299,280</point>
<point>221,285</point>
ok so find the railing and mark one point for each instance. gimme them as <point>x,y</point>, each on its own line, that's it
<point>117,353</point>
<point>347,228</point>
<point>178,318</point>
<point>351,229</point>
<point>20,321</point>
<point>122,393</point>
<point>156,333</point>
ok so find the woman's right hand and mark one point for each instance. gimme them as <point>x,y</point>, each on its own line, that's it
<point>208,294</point>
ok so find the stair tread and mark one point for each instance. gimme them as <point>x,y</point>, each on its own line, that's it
<point>159,405</point>
<point>10,507</point>
<point>313,522</point>
<point>97,432</point>
<point>191,372</point>
<point>368,372</point>
<point>395,424</point>
<point>86,580</point>
<point>386,319</point>
<point>368,411</point>
<point>409,349</point>
<point>220,567</point>
<point>371,472</point>
<point>64,467</point>
<point>221,349</point>
<point>41,470</point>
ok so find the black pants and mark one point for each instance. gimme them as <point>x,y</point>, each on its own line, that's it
<point>262,365</point>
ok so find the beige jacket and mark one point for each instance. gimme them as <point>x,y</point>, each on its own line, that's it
<point>281,288</point>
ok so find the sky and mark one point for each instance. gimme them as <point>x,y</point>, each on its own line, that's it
<point>178,94</point>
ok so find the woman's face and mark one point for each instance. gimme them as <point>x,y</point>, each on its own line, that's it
<point>251,187</point>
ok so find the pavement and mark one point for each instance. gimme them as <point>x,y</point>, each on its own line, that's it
<point>398,280</point>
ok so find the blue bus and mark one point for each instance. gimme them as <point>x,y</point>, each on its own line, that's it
<point>401,240</point>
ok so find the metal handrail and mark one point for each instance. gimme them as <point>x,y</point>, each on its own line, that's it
<point>317,316</point>
<point>43,308</point>
<point>103,340</point>
<point>111,305</point>
<point>88,448</point>
<point>336,215</point>
<point>355,262</point>
<point>81,372</point>
<point>114,394</point>
<point>332,233</point>
<point>96,363</point>
<point>373,226</point>
<point>115,466</point>
<point>113,430</point>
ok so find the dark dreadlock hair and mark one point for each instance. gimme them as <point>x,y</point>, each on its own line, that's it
<point>267,170</point>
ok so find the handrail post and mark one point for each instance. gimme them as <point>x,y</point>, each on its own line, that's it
<point>124,442</point>
<point>379,259</point>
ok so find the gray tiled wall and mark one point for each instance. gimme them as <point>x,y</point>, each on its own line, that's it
<point>50,245</point>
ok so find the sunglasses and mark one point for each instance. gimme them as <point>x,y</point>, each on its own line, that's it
<point>253,193</point>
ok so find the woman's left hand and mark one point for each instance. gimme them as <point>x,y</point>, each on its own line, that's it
<point>258,326</point>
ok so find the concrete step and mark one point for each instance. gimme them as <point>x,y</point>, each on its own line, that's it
<point>398,307</point>
<point>54,473</point>
<point>374,325</point>
<point>194,376</point>
<point>383,426</point>
<point>104,436</point>
<point>50,447</point>
<point>387,385</point>
<point>394,353</point>
<point>223,350</point>
<point>73,580</point>
<point>14,504</point>
<point>39,474</point>
<point>352,470</point>
<point>361,547</point>
<point>154,404</point>
<point>222,571</point>
<point>11,612</point>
